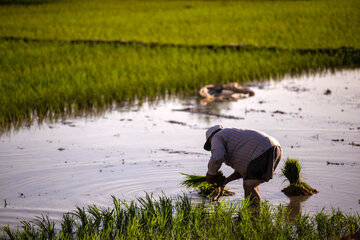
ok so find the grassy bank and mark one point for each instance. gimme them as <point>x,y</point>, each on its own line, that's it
<point>289,24</point>
<point>40,79</point>
<point>167,218</point>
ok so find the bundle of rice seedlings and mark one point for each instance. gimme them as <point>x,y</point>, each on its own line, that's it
<point>198,183</point>
<point>292,171</point>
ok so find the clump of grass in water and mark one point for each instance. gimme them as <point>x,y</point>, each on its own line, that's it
<point>292,171</point>
<point>198,183</point>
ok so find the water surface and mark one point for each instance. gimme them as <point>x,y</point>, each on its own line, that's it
<point>51,168</point>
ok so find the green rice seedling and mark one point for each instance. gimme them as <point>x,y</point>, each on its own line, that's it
<point>178,218</point>
<point>83,222</point>
<point>119,216</point>
<point>303,226</point>
<point>292,171</point>
<point>281,219</point>
<point>46,226</point>
<point>50,80</point>
<point>198,183</point>
<point>29,231</point>
<point>353,224</point>
<point>9,233</point>
<point>107,218</point>
<point>335,225</point>
<point>155,215</point>
<point>67,226</point>
<point>96,217</point>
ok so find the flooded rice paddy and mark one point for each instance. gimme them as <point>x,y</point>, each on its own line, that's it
<point>51,168</point>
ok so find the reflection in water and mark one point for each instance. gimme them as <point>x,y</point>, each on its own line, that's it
<point>294,205</point>
<point>84,113</point>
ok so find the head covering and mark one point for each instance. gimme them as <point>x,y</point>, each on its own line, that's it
<point>210,132</point>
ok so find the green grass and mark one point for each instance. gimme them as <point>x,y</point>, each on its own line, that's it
<point>179,218</point>
<point>199,184</point>
<point>292,171</point>
<point>42,79</point>
<point>287,24</point>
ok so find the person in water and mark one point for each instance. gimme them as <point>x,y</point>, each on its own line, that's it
<point>252,154</point>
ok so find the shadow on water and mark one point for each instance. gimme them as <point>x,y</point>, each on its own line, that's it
<point>295,205</point>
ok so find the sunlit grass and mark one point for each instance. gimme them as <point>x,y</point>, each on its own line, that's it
<point>288,24</point>
<point>180,218</point>
<point>292,171</point>
<point>42,79</point>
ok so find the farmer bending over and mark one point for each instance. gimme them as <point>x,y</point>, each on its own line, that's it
<point>252,154</point>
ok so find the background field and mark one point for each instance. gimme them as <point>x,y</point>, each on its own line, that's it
<point>289,24</point>
<point>44,72</point>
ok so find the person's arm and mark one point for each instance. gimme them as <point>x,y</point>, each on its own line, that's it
<point>235,175</point>
<point>218,155</point>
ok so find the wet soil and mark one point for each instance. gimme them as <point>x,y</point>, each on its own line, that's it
<point>53,167</point>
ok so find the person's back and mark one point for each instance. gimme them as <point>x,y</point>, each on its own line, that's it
<point>252,154</point>
<point>240,146</point>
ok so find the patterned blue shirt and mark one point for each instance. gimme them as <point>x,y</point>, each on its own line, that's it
<point>237,148</point>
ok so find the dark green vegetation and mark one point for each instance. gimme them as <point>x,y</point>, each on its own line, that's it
<point>292,171</point>
<point>48,73</point>
<point>179,218</point>
<point>199,184</point>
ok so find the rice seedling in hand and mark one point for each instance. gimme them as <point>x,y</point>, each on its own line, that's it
<point>198,183</point>
<point>292,171</point>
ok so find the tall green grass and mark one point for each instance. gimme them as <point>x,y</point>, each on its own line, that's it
<point>288,24</point>
<point>41,79</point>
<point>179,218</point>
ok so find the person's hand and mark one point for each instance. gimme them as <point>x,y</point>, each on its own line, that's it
<point>219,179</point>
<point>210,178</point>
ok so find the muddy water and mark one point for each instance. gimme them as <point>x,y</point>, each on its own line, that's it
<point>52,168</point>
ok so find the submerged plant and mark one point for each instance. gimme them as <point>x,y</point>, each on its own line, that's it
<point>292,171</point>
<point>198,183</point>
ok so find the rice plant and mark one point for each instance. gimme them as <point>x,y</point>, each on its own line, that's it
<point>292,171</point>
<point>49,80</point>
<point>286,24</point>
<point>67,226</point>
<point>179,218</point>
<point>46,226</point>
<point>199,184</point>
